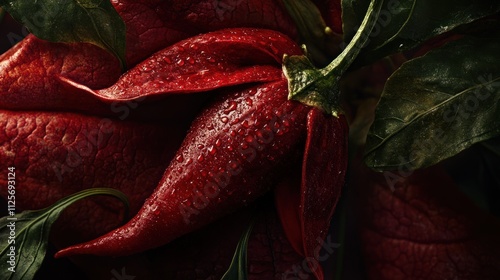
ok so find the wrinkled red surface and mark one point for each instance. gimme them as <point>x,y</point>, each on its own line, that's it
<point>425,229</point>
<point>57,154</point>
<point>27,74</point>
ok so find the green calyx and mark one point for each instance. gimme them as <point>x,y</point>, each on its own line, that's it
<point>319,87</point>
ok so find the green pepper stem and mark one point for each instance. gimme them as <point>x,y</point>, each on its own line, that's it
<point>320,87</point>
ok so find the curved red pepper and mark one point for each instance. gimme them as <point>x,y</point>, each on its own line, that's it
<point>228,158</point>
<point>235,150</point>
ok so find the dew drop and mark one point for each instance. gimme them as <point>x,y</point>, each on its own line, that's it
<point>211,59</point>
<point>190,60</point>
<point>245,124</point>
<point>167,60</point>
<point>180,62</point>
<point>218,143</point>
<point>224,119</point>
<point>230,148</point>
<point>235,121</point>
<point>201,146</point>
<point>189,161</point>
<point>212,150</point>
<point>179,169</point>
<point>249,101</point>
<point>200,158</point>
<point>232,106</point>
<point>249,139</point>
<point>179,158</point>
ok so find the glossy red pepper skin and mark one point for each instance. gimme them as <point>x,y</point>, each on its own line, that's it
<point>228,159</point>
<point>235,149</point>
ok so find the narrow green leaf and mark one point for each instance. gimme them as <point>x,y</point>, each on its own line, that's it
<point>89,21</point>
<point>320,87</point>
<point>404,24</point>
<point>437,105</point>
<point>25,235</point>
<point>238,268</point>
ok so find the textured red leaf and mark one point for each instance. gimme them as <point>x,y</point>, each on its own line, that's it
<point>425,229</point>
<point>57,154</point>
<point>27,74</point>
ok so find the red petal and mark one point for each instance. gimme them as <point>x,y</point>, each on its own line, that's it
<point>323,175</point>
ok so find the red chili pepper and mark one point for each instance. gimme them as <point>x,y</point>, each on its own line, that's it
<point>237,147</point>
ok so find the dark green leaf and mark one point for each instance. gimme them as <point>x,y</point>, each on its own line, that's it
<point>238,268</point>
<point>30,230</point>
<point>90,21</point>
<point>320,87</point>
<point>404,24</point>
<point>437,105</point>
